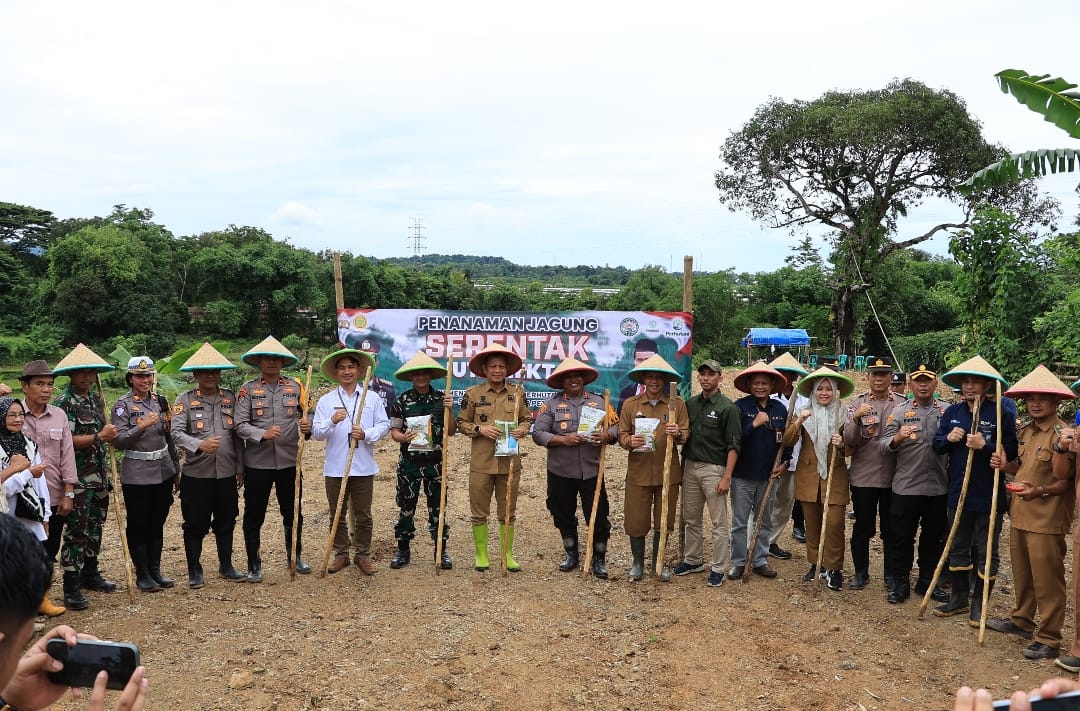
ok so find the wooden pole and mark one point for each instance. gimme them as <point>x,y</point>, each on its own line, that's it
<point>448,413</point>
<point>515,469</point>
<point>956,516</point>
<point>604,424</point>
<point>118,504</point>
<point>687,306</point>
<point>768,489</point>
<point>993,517</point>
<point>828,492</point>
<point>339,294</point>
<point>304,407</point>
<point>345,474</point>
<point>665,494</point>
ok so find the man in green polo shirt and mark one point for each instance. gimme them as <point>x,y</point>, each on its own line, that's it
<point>708,458</point>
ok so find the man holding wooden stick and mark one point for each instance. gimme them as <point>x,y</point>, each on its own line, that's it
<point>571,425</point>
<point>417,424</point>
<point>960,431</point>
<point>645,429</point>
<point>337,422</point>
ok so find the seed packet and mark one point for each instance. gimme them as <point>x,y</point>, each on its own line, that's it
<point>421,425</point>
<point>505,446</point>
<point>589,423</point>
<point>646,427</point>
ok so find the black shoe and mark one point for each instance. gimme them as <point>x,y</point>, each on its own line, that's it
<point>799,534</point>
<point>570,544</point>
<point>302,567</point>
<point>736,572</point>
<point>225,564</point>
<point>154,558</point>
<point>810,574</point>
<point>777,552</point>
<point>195,576</point>
<point>447,563</point>
<point>1038,650</point>
<point>764,570</point>
<point>861,580</point>
<point>92,578</point>
<point>834,579</point>
<point>143,580</point>
<point>73,597</point>
<point>254,574</point>
<point>402,556</point>
<point>900,592</point>
<point>1007,626</point>
<point>923,584</point>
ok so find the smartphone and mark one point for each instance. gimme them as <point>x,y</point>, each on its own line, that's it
<point>1013,487</point>
<point>1069,701</point>
<point>88,657</point>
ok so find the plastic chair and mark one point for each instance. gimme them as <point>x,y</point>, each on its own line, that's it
<point>813,361</point>
<point>860,363</point>
<point>843,361</point>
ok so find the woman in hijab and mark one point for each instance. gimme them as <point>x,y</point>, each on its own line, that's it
<point>817,427</point>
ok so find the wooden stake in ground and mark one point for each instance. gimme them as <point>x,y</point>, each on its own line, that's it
<point>828,492</point>
<point>345,474</point>
<point>768,488</point>
<point>604,424</point>
<point>118,504</point>
<point>304,407</point>
<point>665,490</point>
<point>956,517</point>
<point>448,412</point>
<point>515,469</point>
<point>993,517</point>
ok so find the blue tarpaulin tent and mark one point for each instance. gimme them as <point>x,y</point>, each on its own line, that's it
<point>792,338</point>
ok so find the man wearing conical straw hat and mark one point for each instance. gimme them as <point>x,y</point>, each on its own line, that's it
<point>785,505</point>
<point>645,428</point>
<point>90,432</point>
<point>491,411</point>
<point>963,429</point>
<point>568,426</point>
<point>268,419</point>
<point>920,482</point>
<point>1040,516</point>
<point>204,425</point>
<point>416,423</point>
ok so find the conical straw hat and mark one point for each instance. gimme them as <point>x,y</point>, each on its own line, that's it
<point>269,346</point>
<point>513,360</point>
<point>329,363</point>
<point>654,364</point>
<point>808,384</point>
<point>786,362</point>
<point>207,358</point>
<point>81,358</point>
<point>976,365</point>
<point>571,365</point>
<point>742,380</point>
<point>1041,381</point>
<point>418,364</point>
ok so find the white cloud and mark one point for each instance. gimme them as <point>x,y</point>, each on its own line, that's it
<point>294,213</point>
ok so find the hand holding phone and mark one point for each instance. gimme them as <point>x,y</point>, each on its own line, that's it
<point>86,658</point>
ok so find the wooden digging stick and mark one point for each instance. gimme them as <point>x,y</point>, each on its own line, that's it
<point>602,428</point>
<point>304,407</point>
<point>504,540</point>
<point>993,518</point>
<point>448,413</point>
<point>828,492</point>
<point>345,474</point>
<point>768,491</point>
<point>669,452</point>
<point>956,516</point>
<point>118,505</point>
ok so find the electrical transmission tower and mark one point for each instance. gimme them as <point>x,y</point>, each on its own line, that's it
<point>417,237</point>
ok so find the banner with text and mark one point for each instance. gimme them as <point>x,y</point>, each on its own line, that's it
<point>610,341</point>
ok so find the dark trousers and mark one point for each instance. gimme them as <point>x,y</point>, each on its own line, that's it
<point>970,541</point>
<point>906,515</point>
<point>871,506</point>
<point>797,520</point>
<point>147,508</point>
<point>56,536</point>
<point>257,486</point>
<point>208,504</point>
<point>562,500</point>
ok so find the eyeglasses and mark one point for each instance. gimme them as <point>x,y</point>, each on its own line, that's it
<point>15,416</point>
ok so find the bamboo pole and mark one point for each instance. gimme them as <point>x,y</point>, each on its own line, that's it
<point>768,489</point>
<point>688,307</point>
<point>669,452</point>
<point>339,293</point>
<point>448,413</point>
<point>604,424</point>
<point>511,499</point>
<point>993,517</point>
<point>828,492</point>
<point>345,474</point>
<point>956,516</point>
<point>305,405</point>
<point>118,504</point>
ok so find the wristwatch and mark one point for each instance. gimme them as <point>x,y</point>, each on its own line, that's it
<point>69,494</point>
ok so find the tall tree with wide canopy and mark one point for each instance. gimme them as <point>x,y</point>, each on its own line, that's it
<point>852,164</point>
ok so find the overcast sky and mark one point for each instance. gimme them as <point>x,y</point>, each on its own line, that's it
<point>559,132</point>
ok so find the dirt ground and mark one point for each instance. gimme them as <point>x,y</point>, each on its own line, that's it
<point>539,639</point>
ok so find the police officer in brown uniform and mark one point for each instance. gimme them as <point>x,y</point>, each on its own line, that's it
<point>268,420</point>
<point>1041,513</point>
<point>870,473</point>
<point>147,471</point>
<point>204,427</point>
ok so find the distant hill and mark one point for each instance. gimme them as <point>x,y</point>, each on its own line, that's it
<point>486,268</point>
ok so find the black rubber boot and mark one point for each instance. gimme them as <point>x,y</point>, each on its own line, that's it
<point>143,579</point>
<point>665,572</point>
<point>254,562</point>
<point>224,555</point>
<point>599,559</point>
<point>447,563</point>
<point>73,596</point>
<point>976,601</point>
<point>570,544</point>
<point>193,552</point>
<point>958,602</point>
<point>301,567</point>
<point>923,584</point>
<point>92,578</point>
<point>901,590</point>
<point>637,550</point>
<point>861,579</point>
<point>402,555</point>
<point>154,558</point>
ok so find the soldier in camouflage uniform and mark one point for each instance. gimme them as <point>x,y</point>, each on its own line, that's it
<point>85,411</point>
<point>419,467</point>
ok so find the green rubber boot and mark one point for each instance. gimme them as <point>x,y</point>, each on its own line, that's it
<point>480,538</point>
<point>508,533</point>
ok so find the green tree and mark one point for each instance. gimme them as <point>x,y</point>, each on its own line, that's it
<point>650,288</point>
